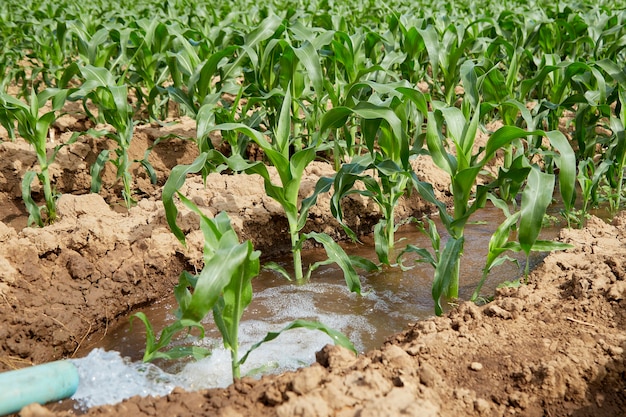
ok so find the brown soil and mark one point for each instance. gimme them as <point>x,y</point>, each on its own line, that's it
<point>554,347</point>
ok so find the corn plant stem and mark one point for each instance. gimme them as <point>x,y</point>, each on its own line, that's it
<point>126,180</point>
<point>527,269</point>
<point>476,292</point>
<point>296,246</point>
<point>295,108</point>
<point>616,201</point>
<point>47,188</point>
<point>390,226</point>
<point>297,256</point>
<point>49,197</point>
<point>234,354</point>
<point>453,289</point>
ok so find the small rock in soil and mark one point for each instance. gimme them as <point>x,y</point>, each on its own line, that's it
<point>476,366</point>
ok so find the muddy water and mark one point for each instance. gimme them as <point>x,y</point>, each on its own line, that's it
<point>392,297</point>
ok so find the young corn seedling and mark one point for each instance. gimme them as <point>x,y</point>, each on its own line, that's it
<point>290,168</point>
<point>148,67</point>
<point>35,130</point>
<point>446,51</point>
<point>385,134</point>
<point>113,108</point>
<point>617,155</point>
<point>463,167</point>
<point>499,244</point>
<point>224,288</point>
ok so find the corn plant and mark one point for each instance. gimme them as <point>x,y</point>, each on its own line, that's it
<point>290,169</point>
<point>385,135</point>
<point>34,128</point>
<point>617,155</point>
<point>223,287</point>
<point>100,87</point>
<point>148,67</point>
<point>499,244</point>
<point>463,168</point>
<point>94,44</point>
<point>446,53</point>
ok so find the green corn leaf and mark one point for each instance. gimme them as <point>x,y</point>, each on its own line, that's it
<point>426,191</point>
<point>205,119</point>
<point>567,167</point>
<point>149,169</point>
<point>34,212</point>
<point>335,118</point>
<point>363,263</point>
<point>96,171</point>
<point>180,352</point>
<point>215,275</point>
<point>497,246</point>
<point>323,185</point>
<point>381,242</point>
<point>273,266</point>
<point>438,153</point>
<point>154,346</point>
<point>150,335</point>
<point>182,292</point>
<point>502,137</point>
<point>338,255</point>
<point>550,245</point>
<point>311,61</point>
<point>343,184</point>
<point>282,133</point>
<point>100,77</point>
<point>444,272</point>
<point>172,185</point>
<point>614,70</point>
<point>424,254</point>
<point>431,41</point>
<point>338,338</point>
<point>236,296</point>
<point>183,98</point>
<point>535,200</point>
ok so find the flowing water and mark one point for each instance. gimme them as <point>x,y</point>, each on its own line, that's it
<point>392,298</point>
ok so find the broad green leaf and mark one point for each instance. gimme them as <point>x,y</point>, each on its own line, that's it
<point>236,297</point>
<point>172,185</point>
<point>273,266</point>
<point>339,256</point>
<point>567,167</point>
<point>215,275</point>
<point>338,338</point>
<point>205,120</point>
<point>431,40</point>
<point>100,76</point>
<point>282,133</point>
<point>504,136</point>
<point>323,185</point>
<point>438,153</point>
<point>363,263</point>
<point>381,242</point>
<point>445,271</point>
<point>311,61</point>
<point>34,212</point>
<point>535,200</point>
<point>614,70</point>
<point>96,171</point>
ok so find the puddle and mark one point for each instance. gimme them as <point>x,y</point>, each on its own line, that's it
<point>393,298</point>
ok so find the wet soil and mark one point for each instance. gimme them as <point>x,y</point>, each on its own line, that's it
<point>553,347</point>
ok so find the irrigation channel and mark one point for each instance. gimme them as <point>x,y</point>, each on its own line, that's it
<point>111,369</point>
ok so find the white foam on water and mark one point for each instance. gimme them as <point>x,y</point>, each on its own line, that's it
<point>107,378</point>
